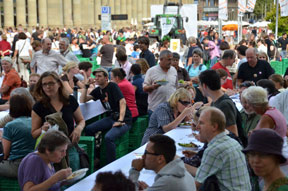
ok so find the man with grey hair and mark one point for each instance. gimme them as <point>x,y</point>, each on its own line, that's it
<point>160,81</point>
<point>254,69</point>
<point>227,59</point>
<point>47,59</point>
<point>64,50</point>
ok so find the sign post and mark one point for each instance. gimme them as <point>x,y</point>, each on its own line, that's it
<point>105,18</point>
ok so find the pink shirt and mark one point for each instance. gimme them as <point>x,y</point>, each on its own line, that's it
<point>128,92</point>
<point>279,121</point>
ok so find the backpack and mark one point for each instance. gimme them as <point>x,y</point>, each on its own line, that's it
<point>240,130</point>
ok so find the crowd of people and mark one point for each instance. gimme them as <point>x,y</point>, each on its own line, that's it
<point>42,74</point>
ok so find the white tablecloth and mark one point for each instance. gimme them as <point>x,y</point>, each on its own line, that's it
<point>180,135</point>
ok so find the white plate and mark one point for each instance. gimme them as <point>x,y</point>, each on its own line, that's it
<point>162,83</point>
<point>77,175</point>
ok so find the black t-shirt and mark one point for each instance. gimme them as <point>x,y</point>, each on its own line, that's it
<point>283,42</point>
<point>226,105</point>
<point>86,53</point>
<point>67,112</point>
<point>262,70</point>
<point>149,56</point>
<point>65,78</point>
<point>113,95</point>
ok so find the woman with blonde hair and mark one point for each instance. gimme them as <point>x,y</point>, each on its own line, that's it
<point>69,80</point>
<point>144,66</point>
<point>279,81</point>
<point>170,114</point>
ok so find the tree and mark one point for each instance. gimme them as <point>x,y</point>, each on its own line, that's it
<point>259,9</point>
<point>282,21</point>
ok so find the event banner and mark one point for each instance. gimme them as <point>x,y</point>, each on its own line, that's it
<point>241,7</point>
<point>284,8</point>
<point>223,11</point>
<point>250,5</point>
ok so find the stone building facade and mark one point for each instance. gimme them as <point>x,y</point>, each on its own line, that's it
<point>67,13</point>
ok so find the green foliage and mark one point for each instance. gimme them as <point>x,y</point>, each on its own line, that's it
<point>259,8</point>
<point>282,21</point>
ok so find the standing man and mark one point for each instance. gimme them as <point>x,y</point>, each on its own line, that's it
<point>119,119</point>
<point>227,59</point>
<point>223,157</point>
<point>253,69</point>
<point>158,93</point>
<point>159,157</point>
<point>145,52</point>
<point>106,53</point>
<point>47,59</point>
<point>284,42</point>
<point>64,50</point>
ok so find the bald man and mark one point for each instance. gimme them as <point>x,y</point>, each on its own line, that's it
<point>254,69</point>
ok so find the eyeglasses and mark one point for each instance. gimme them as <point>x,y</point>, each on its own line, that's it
<point>185,103</point>
<point>50,84</point>
<point>148,153</point>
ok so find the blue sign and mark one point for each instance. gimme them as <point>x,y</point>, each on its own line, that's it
<point>105,10</point>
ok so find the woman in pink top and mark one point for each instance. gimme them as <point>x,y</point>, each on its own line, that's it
<point>270,117</point>
<point>127,89</point>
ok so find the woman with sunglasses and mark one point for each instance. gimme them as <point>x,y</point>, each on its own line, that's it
<point>170,114</point>
<point>52,97</point>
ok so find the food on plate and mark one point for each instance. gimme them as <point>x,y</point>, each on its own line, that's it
<point>192,145</point>
<point>163,80</point>
<point>181,81</point>
<point>187,123</point>
<point>73,175</point>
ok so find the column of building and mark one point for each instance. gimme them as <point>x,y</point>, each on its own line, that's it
<point>129,12</point>
<point>123,10</point>
<point>55,13</point>
<point>42,7</point>
<point>67,9</point>
<point>139,13</point>
<point>97,5</point>
<point>8,13</point>
<point>77,13</point>
<point>32,13</point>
<point>21,13</point>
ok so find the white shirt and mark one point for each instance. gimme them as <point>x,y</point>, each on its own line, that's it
<point>23,46</point>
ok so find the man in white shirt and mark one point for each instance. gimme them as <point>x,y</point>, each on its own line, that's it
<point>47,59</point>
<point>163,72</point>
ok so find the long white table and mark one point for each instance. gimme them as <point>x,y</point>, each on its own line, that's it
<point>180,135</point>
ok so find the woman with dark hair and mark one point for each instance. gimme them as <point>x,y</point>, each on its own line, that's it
<point>127,89</point>
<point>17,140</point>
<point>51,98</point>
<point>36,171</point>
<point>140,95</point>
<point>23,54</point>
<point>269,86</point>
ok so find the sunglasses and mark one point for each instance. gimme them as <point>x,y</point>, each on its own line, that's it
<point>148,153</point>
<point>185,103</point>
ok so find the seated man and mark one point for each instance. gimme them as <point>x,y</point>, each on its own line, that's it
<point>158,156</point>
<point>119,119</point>
<point>11,79</point>
<point>223,157</point>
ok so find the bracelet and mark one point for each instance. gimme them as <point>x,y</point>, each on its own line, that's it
<point>120,121</point>
<point>87,86</point>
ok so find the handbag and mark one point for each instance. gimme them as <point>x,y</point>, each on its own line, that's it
<point>83,157</point>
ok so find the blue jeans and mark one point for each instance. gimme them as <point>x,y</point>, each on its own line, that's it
<point>108,68</point>
<point>283,54</point>
<point>113,133</point>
